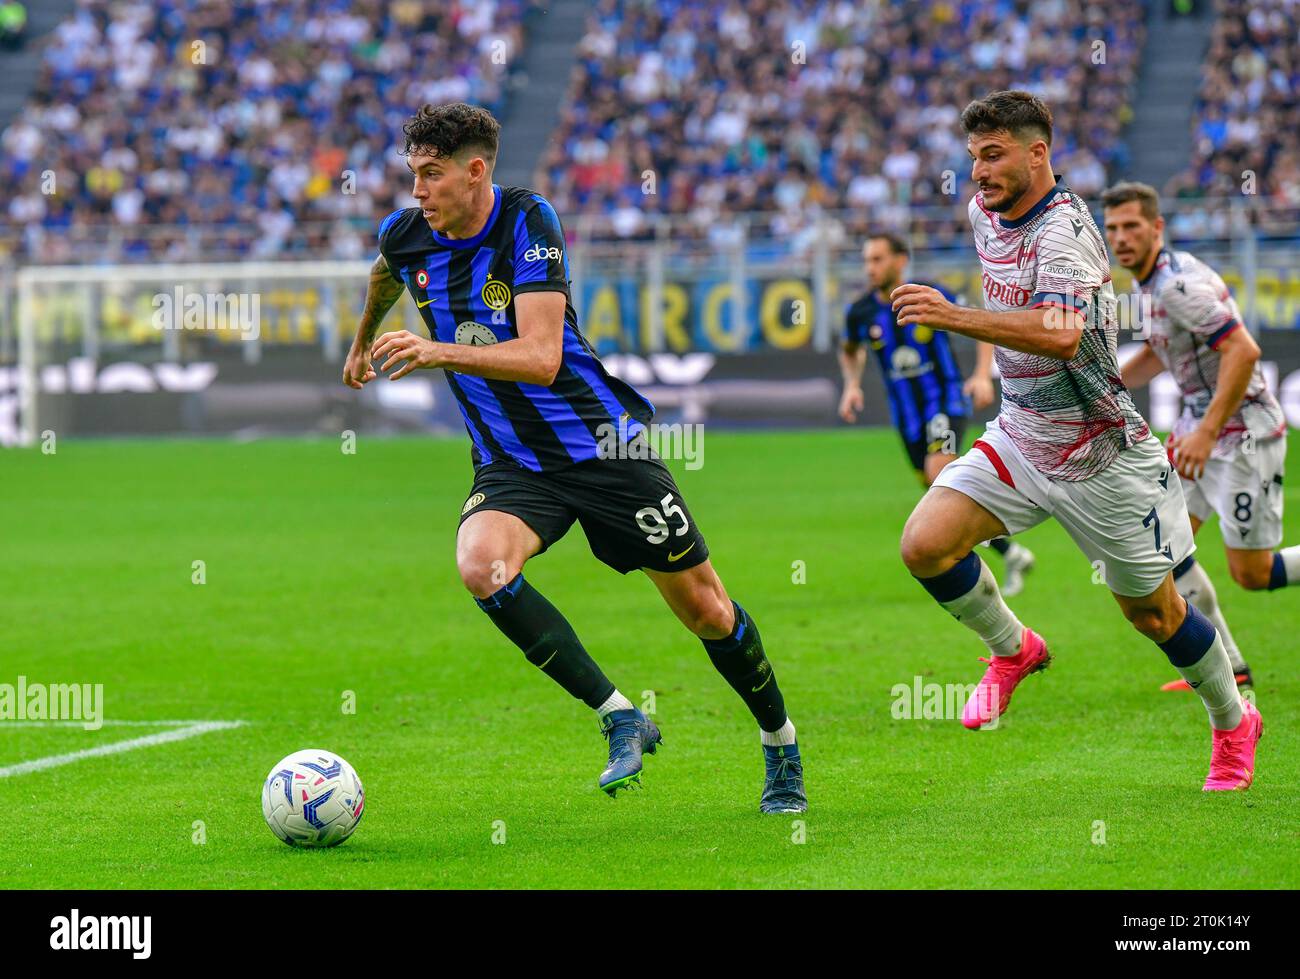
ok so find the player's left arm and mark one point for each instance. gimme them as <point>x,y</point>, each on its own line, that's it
<point>1238,355</point>
<point>979,386</point>
<point>531,358</point>
<point>1142,368</point>
<point>541,295</point>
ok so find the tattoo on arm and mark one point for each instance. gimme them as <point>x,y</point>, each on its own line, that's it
<point>382,291</point>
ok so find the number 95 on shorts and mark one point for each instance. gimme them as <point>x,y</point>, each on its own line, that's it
<point>630,510</point>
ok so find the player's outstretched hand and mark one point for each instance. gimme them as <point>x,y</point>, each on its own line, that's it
<point>922,306</point>
<point>850,404</point>
<point>357,369</point>
<point>413,349</point>
<point>980,390</point>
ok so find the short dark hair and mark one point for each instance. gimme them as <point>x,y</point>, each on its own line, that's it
<point>445,130</point>
<point>896,243</point>
<point>1022,114</point>
<point>1131,190</point>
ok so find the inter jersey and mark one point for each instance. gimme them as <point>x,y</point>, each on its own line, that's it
<point>921,375</point>
<point>465,289</point>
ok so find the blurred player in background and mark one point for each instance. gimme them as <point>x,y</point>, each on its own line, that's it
<point>927,396</point>
<point>1229,443</point>
<point>487,268</point>
<point>1068,441</point>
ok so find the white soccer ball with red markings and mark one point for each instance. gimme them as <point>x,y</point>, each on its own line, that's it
<point>313,798</point>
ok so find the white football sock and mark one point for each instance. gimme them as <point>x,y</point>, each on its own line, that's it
<point>783,735</point>
<point>1291,561</point>
<point>983,610</point>
<point>615,702</point>
<point>1195,586</point>
<point>1211,677</point>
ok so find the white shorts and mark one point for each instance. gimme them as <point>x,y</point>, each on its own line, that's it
<point>1245,490</point>
<point>1130,517</point>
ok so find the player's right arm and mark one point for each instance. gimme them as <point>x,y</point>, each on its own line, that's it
<point>853,360</point>
<point>1052,331</point>
<point>1202,307</point>
<point>1238,353</point>
<point>381,293</point>
<point>1141,368</point>
<point>1070,269</point>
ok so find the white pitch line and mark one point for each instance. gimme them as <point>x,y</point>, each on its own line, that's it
<point>148,741</point>
<point>111,722</point>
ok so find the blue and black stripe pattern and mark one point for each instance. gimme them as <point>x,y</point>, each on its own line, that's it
<point>465,289</point>
<point>921,375</point>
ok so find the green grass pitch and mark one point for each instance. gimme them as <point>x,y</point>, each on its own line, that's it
<point>328,573</point>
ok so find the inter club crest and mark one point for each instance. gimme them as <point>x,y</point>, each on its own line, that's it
<point>496,294</point>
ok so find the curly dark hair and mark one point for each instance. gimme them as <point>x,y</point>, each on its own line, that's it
<point>1022,114</point>
<point>445,130</point>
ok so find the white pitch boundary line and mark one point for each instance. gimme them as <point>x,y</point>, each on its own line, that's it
<point>4,725</point>
<point>117,747</point>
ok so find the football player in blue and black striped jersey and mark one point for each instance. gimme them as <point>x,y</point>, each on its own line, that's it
<point>556,438</point>
<point>929,401</point>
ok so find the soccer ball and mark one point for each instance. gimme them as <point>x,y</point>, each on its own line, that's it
<point>313,798</point>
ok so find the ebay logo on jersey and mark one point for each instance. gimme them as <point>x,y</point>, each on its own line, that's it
<point>537,252</point>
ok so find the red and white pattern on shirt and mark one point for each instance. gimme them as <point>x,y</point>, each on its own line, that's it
<point>1069,418</point>
<point>1192,313</point>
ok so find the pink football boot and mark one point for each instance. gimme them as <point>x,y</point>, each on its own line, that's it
<point>1232,763</point>
<point>1000,680</point>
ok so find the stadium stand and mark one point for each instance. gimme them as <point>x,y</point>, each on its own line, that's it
<point>858,117</point>
<point>862,113</point>
<point>277,101</point>
<point>1247,116</point>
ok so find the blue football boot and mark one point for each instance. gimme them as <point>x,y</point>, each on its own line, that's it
<point>629,733</point>
<point>783,786</point>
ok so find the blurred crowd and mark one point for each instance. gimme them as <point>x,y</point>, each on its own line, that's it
<point>247,128</point>
<point>795,106</point>
<point>238,121</point>
<point>1246,132</point>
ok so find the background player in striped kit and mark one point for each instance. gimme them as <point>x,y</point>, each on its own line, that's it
<point>1068,441</point>
<point>1229,442</point>
<point>928,400</point>
<point>555,437</point>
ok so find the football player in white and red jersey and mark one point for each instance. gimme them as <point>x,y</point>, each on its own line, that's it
<point>1229,442</point>
<point>1068,441</point>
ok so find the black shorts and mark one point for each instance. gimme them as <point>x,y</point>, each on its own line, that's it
<point>630,509</point>
<point>933,434</point>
